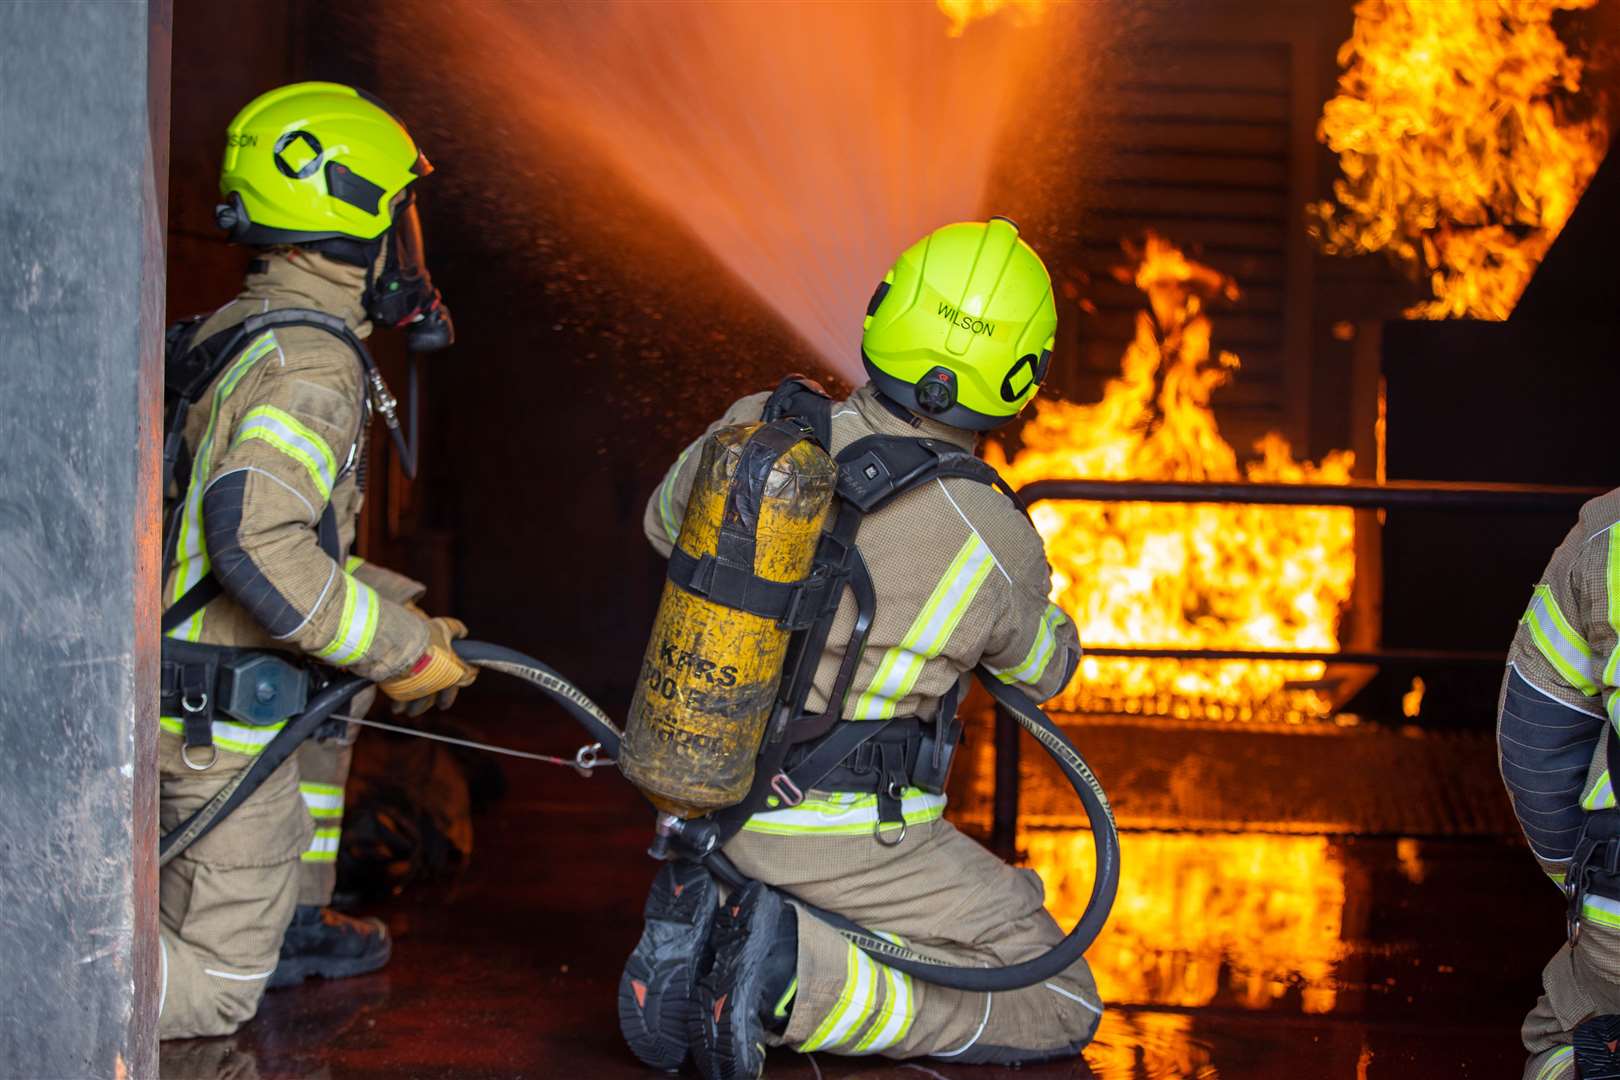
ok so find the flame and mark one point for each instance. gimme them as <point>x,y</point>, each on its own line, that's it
<point>1460,134</point>
<point>963,13</point>
<point>1246,918</point>
<point>1412,700</point>
<point>1168,575</point>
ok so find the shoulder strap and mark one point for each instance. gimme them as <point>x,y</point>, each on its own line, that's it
<point>190,367</point>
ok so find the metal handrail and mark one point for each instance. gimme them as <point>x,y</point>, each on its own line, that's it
<point>1444,497</point>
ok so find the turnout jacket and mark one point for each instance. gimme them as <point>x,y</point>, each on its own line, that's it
<point>960,575</point>
<point>1562,689</point>
<point>276,437</point>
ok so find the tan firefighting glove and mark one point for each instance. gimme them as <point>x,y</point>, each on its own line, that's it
<point>436,677</point>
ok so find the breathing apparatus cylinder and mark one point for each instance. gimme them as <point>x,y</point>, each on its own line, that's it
<point>710,675</point>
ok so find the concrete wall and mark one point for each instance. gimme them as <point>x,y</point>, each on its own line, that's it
<point>83,104</point>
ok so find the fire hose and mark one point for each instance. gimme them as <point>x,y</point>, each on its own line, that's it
<point>606,737</point>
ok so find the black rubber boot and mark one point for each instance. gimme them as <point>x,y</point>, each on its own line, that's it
<point>660,978</point>
<point>1597,1048</point>
<point>749,989</point>
<point>322,943</point>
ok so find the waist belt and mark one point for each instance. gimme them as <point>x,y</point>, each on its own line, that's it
<point>198,682</point>
<point>873,756</point>
<point>1593,881</point>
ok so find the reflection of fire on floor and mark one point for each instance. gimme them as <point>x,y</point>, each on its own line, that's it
<point>1201,919</point>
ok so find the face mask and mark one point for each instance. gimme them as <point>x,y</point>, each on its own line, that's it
<point>401,294</point>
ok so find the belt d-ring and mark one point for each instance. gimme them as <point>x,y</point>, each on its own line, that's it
<point>187,705</point>
<point>895,792</point>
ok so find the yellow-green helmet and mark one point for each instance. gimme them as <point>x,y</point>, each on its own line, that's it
<point>961,328</point>
<point>314,161</point>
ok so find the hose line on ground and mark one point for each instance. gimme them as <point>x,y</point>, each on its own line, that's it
<point>602,729</point>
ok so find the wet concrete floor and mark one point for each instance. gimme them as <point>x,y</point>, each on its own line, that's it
<point>1274,940</point>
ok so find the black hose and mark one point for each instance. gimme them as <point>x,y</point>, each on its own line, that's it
<point>246,782</point>
<point>1013,976</point>
<point>511,662</point>
<point>570,697</point>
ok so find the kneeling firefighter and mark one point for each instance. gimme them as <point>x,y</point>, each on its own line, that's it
<point>837,571</point>
<point>269,401</point>
<point>1558,751</point>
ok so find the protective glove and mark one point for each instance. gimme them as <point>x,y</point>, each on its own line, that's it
<point>436,677</point>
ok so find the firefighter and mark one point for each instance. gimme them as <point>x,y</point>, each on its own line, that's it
<point>961,579</point>
<point>1556,745</point>
<point>318,179</point>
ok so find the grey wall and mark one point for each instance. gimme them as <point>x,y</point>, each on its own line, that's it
<point>83,101</point>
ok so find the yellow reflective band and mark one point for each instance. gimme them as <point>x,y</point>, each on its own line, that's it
<point>844,814</point>
<point>237,738</point>
<point>854,1004</point>
<point>899,1009</point>
<point>323,847</point>
<point>283,431</point>
<point>1611,670</point>
<point>357,625</point>
<point>1564,649</point>
<point>353,563</point>
<point>1601,910</point>
<point>1553,1067</point>
<point>666,498</point>
<point>323,800</point>
<point>1041,650</point>
<point>900,667</point>
<point>191,556</point>
<point>1601,797</point>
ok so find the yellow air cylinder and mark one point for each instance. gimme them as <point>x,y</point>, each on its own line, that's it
<point>710,675</point>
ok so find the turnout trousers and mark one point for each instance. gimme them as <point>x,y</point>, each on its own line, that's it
<point>1579,982</point>
<point>225,902</point>
<point>937,890</point>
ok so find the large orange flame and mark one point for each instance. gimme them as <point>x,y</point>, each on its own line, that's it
<point>1459,134</point>
<point>1169,575</point>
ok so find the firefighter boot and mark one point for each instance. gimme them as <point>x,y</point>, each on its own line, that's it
<point>1597,1048</point>
<point>748,991</point>
<point>656,991</point>
<point>321,942</point>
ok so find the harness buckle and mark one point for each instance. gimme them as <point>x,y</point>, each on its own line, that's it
<point>881,836</point>
<point>194,704</point>
<point>213,756</point>
<point>786,790</point>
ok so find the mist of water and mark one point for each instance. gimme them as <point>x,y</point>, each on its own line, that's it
<point>804,144</point>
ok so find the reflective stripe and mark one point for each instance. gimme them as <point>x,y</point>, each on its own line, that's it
<point>1553,1067</point>
<point>899,1009</point>
<point>1041,650</point>
<point>191,555</point>
<point>283,431</point>
<point>1601,797</point>
<point>237,738</point>
<point>353,563</point>
<point>1611,670</point>
<point>844,813</point>
<point>324,846</point>
<point>1564,649</point>
<point>1076,998</point>
<point>238,978</point>
<point>1601,910</point>
<point>853,1006</point>
<point>666,498</point>
<point>898,670</point>
<point>323,800</point>
<point>357,625</point>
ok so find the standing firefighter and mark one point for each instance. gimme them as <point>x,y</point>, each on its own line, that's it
<point>958,338</point>
<point>270,399</point>
<point>1557,743</point>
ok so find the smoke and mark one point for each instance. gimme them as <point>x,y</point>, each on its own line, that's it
<point>804,145</point>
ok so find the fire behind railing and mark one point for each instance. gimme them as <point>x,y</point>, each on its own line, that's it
<point>1458,498</point>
